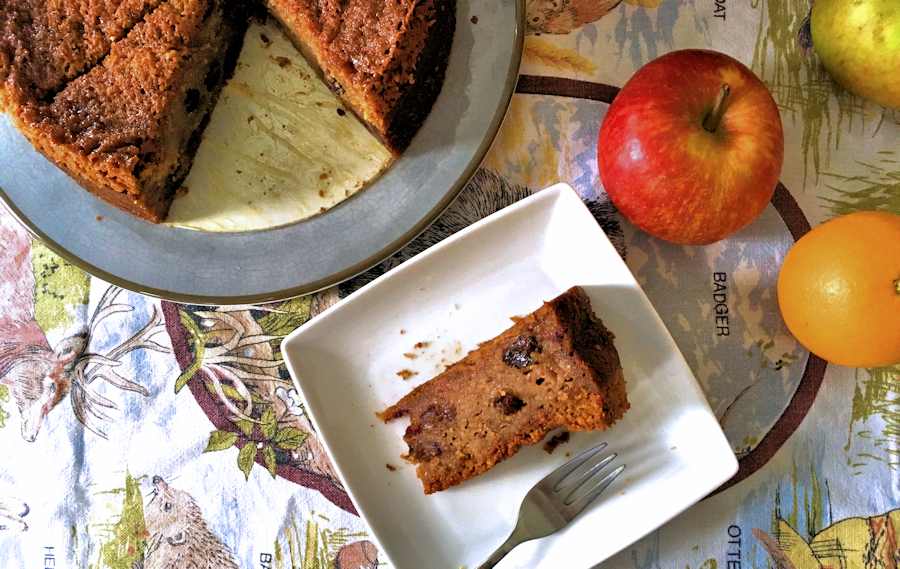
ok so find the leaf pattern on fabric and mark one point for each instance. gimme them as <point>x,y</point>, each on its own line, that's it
<point>240,370</point>
<point>246,457</point>
<point>58,288</point>
<point>220,440</point>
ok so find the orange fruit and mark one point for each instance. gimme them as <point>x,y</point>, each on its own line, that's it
<point>839,290</point>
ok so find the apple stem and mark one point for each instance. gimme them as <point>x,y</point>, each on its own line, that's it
<point>712,120</point>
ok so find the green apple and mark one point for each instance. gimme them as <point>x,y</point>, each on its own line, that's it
<point>858,42</point>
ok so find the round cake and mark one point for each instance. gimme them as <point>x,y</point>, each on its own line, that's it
<point>118,93</point>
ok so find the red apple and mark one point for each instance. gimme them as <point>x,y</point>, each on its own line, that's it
<point>691,148</point>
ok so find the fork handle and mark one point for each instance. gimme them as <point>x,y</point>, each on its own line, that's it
<point>511,542</point>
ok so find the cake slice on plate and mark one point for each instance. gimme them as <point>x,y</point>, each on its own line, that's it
<point>556,367</point>
<point>127,129</point>
<point>46,43</point>
<point>386,60</point>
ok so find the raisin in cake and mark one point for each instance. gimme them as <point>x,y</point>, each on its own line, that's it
<point>556,367</point>
<point>386,59</point>
<point>127,129</point>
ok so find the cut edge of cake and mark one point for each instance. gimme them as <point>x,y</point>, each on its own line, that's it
<point>420,85</point>
<point>588,348</point>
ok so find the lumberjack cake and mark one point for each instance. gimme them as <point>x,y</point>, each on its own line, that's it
<point>556,367</point>
<point>118,92</point>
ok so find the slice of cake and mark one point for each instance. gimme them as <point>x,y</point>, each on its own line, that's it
<point>556,367</point>
<point>385,59</point>
<point>46,43</point>
<point>128,128</point>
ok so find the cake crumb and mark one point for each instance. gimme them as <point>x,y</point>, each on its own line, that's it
<point>341,112</point>
<point>265,39</point>
<point>402,331</point>
<point>421,345</point>
<point>474,19</point>
<point>410,356</point>
<point>321,193</point>
<point>282,61</point>
<point>405,374</point>
<point>390,467</point>
<point>323,176</point>
<point>555,441</point>
<point>99,218</point>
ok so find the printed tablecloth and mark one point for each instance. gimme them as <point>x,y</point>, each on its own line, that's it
<point>130,425</point>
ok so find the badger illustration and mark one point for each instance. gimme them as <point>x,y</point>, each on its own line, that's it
<point>178,534</point>
<point>486,193</point>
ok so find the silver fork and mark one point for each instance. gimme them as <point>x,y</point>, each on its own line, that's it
<point>557,499</point>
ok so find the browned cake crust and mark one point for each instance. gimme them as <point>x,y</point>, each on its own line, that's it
<point>556,367</point>
<point>127,129</point>
<point>46,43</point>
<point>387,60</point>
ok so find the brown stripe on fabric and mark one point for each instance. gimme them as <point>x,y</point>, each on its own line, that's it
<point>563,87</point>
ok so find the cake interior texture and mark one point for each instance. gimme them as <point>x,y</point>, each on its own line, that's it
<point>555,368</point>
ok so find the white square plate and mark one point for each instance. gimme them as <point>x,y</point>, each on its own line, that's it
<point>461,292</point>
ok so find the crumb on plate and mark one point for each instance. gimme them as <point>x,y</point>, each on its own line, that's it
<point>555,441</point>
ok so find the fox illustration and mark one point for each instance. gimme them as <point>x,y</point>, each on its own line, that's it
<point>564,16</point>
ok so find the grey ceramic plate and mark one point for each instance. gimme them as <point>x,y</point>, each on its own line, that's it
<point>231,268</point>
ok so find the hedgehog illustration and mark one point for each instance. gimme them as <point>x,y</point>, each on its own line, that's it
<point>487,192</point>
<point>563,16</point>
<point>178,534</point>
